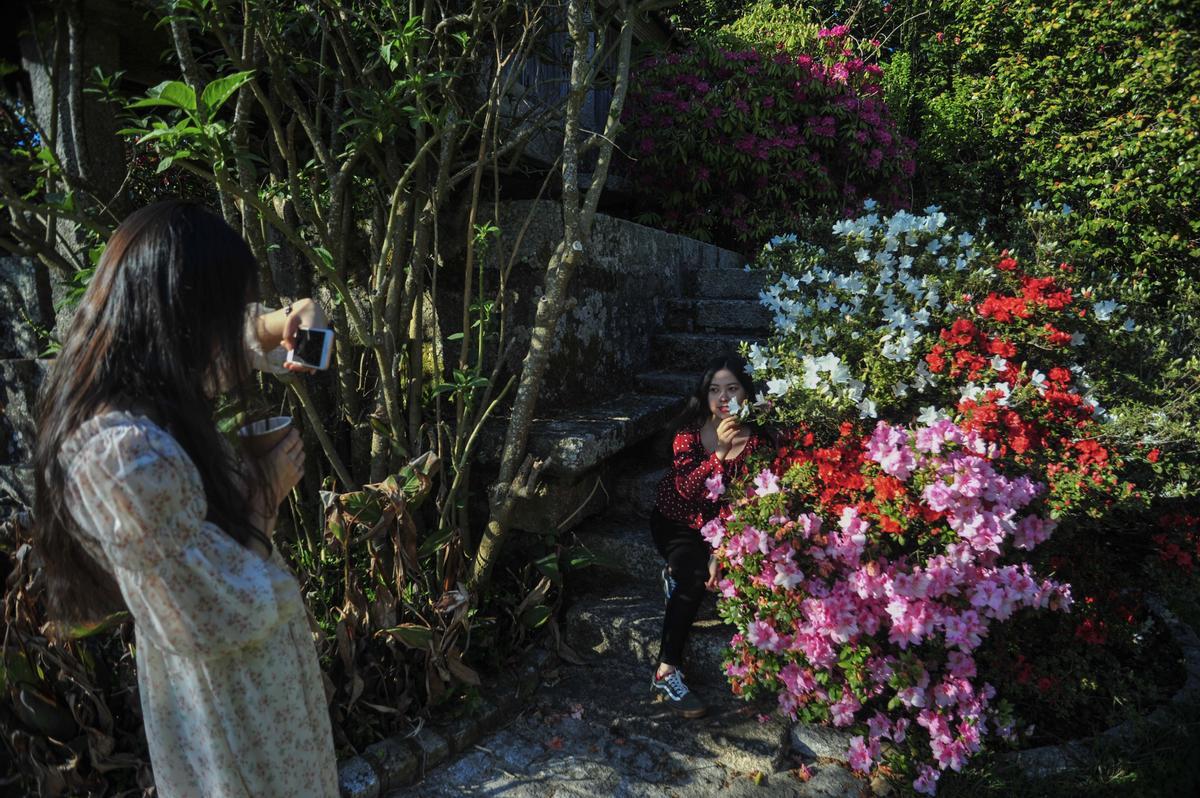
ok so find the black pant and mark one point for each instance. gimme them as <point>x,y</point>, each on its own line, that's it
<point>687,556</point>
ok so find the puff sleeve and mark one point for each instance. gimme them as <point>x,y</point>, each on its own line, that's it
<point>691,465</point>
<point>271,361</point>
<point>190,587</point>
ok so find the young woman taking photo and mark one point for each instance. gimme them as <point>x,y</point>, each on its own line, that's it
<point>142,505</point>
<point>710,444</point>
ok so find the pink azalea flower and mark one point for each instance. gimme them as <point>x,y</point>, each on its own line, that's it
<point>888,446</point>
<point>763,635</point>
<point>797,680</point>
<point>766,483</point>
<point>858,755</point>
<point>713,532</point>
<point>841,712</point>
<point>787,575</point>
<point>926,781</point>
<point>714,487</point>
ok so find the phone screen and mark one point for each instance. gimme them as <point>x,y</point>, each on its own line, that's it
<point>310,345</point>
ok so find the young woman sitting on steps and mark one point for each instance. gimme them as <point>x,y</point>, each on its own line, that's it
<point>710,449</point>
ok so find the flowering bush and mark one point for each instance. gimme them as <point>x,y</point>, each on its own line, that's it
<point>909,318</point>
<point>1177,544</point>
<point>867,573</point>
<point>729,145</point>
<point>944,429</point>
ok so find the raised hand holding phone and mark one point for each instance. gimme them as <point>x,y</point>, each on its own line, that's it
<point>310,349</point>
<point>308,341</point>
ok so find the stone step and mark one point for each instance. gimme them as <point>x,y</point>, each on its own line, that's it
<point>626,553</point>
<point>689,352</point>
<point>627,625</point>
<point>726,283</point>
<point>634,490</point>
<point>581,439</point>
<point>667,383</point>
<point>688,315</point>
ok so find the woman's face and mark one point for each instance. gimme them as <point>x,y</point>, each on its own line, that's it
<point>724,387</point>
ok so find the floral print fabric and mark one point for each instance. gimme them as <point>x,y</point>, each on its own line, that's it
<point>230,686</point>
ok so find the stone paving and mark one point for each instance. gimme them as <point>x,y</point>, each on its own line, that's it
<point>595,730</point>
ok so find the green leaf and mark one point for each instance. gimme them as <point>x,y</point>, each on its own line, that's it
<point>81,630</point>
<point>411,635</point>
<point>435,542</point>
<point>326,258</point>
<point>578,557</point>
<point>171,93</point>
<point>535,616</point>
<point>548,566</point>
<point>216,93</point>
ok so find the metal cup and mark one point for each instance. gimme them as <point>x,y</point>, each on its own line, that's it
<point>260,437</point>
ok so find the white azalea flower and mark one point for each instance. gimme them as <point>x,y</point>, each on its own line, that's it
<point>812,373</point>
<point>1128,325</point>
<point>866,409</point>
<point>1105,309</point>
<point>929,415</point>
<point>970,391</point>
<point>840,374</point>
<point>999,363</point>
<point>869,204</point>
<point>778,387</point>
<point>862,256</point>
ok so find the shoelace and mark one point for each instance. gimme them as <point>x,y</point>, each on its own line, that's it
<point>675,685</point>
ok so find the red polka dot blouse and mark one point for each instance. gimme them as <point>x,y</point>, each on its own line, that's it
<point>682,494</point>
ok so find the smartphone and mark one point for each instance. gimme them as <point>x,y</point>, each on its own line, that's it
<point>313,346</point>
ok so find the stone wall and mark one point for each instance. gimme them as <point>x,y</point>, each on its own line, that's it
<point>618,298</point>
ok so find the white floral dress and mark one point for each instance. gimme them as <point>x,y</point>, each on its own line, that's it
<point>231,690</point>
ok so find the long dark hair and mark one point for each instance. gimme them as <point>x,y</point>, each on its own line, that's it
<point>696,411</point>
<point>163,314</point>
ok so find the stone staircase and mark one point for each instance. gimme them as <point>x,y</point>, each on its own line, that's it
<point>715,311</point>
<point>619,612</point>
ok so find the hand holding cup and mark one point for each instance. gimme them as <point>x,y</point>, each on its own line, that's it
<point>276,444</point>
